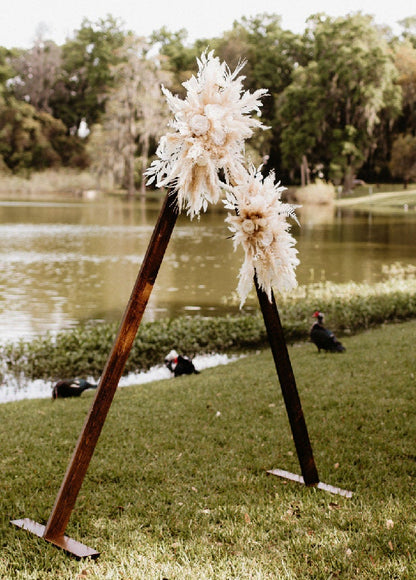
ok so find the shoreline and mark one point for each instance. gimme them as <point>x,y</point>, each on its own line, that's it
<point>391,200</point>
<point>39,389</point>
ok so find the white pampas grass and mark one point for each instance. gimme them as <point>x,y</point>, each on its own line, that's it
<point>210,127</point>
<point>261,228</point>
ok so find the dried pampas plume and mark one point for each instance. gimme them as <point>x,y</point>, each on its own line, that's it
<point>209,130</point>
<point>210,127</point>
<point>260,226</point>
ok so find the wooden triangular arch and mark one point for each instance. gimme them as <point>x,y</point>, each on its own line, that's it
<point>54,531</point>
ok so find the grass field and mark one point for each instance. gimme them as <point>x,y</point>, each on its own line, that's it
<point>178,489</point>
<point>382,201</point>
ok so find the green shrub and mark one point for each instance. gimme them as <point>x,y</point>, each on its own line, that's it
<point>48,181</point>
<point>83,351</point>
<point>316,193</point>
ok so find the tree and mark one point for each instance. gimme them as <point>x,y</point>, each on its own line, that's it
<point>177,59</point>
<point>405,61</point>
<point>135,113</point>
<point>86,77</point>
<point>34,139</point>
<point>6,70</point>
<point>409,29</point>
<point>392,124</point>
<point>37,71</point>
<point>272,56</point>
<point>403,158</point>
<point>331,109</point>
<point>28,139</point>
<point>301,118</point>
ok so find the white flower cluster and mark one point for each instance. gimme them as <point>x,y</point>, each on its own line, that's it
<point>260,226</point>
<point>210,127</point>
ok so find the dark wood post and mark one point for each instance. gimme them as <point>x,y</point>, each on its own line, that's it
<point>113,370</point>
<point>288,386</point>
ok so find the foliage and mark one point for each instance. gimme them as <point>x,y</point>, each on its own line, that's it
<point>272,55</point>
<point>48,181</point>
<point>331,116</point>
<point>403,158</point>
<point>6,69</point>
<point>330,111</point>
<point>409,29</point>
<point>317,193</point>
<point>405,62</point>
<point>36,73</point>
<point>177,58</point>
<point>29,139</point>
<point>81,90</point>
<point>178,488</point>
<point>348,308</point>
<point>135,113</point>
<point>84,350</point>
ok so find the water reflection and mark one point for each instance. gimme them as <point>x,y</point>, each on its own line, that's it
<point>64,263</point>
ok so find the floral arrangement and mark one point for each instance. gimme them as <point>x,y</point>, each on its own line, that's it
<point>259,225</point>
<point>203,156</point>
<point>210,128</point>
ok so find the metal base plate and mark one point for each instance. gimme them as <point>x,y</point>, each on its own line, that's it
<point>320,485</point>
<point>68,544</point>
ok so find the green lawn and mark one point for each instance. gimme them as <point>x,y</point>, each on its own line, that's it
<point>178,488</point>
<point>382,202</point>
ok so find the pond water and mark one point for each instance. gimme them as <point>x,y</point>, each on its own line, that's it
<point>66,262</point>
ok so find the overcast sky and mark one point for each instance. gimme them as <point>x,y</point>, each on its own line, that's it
<point>20,19</point>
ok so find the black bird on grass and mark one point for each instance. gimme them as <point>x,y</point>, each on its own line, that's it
<point>180,365</point>
<point>70,388</point>
<point>324,338</point>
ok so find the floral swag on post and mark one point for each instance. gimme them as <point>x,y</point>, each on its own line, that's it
<point>261,228</point>
<point>210,127</point>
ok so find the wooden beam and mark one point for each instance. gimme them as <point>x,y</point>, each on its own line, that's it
<point>71,485</point>
<point>288,386</point>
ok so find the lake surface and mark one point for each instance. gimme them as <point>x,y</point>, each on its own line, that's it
<point>66,262</point>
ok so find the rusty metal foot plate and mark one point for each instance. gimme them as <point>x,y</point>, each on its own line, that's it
<point>320,485</point>
<point>68,544</point>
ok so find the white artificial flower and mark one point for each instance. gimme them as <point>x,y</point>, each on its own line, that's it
<point>209,129</point>
<point>260,226</point>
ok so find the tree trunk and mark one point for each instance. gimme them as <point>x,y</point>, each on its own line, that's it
<point>145,157</point>
<point>129,176</point>
<point>307,170</point>
<point>348,180</point>
<point>304,172</point>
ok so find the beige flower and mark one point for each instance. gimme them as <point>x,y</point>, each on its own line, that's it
<point>260,226</point>
<point>210,127</point>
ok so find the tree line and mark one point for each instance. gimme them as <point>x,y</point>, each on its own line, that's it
<point>341,101</point>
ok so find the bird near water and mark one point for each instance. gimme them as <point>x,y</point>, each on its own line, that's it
<point>180,365</point>
<point>70,388</point>
<point>323,338</point>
